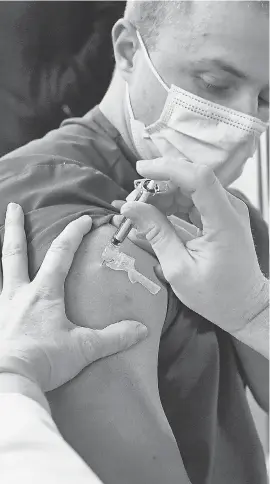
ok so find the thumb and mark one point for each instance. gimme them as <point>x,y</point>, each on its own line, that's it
<point>161,234</point>
<point>118,204</point>
<point>95,344</point>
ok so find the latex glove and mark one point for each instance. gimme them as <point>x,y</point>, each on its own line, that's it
<point>184,229</point>
<point>216,274</point>
<point>172,201</point>
<point>37,339</point>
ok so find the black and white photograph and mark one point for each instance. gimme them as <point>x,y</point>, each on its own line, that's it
<point>134,242</point>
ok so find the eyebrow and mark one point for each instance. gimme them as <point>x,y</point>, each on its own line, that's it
<point>223,66</point>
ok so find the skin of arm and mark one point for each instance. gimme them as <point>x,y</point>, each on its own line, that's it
<point>111,413</point>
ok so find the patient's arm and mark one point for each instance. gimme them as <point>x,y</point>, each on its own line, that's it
<point>111,413</point>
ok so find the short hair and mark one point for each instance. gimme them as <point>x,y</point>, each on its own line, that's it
<point>149,16</point>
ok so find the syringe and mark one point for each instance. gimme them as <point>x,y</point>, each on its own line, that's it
<point>147,188</point>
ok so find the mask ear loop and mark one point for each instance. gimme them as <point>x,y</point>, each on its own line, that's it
<point>129,107</point>
<point>156,74</point>
<point>131,114</point>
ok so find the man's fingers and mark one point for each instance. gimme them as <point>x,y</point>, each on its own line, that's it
<point>14,250</point>
<point>96,344</point>
<point>167,169</point>
<point>179,171</point>
<point>209,197</point>
<point>134,235</point>
<point>160,233</point>
<point>211,201</point>
<point>60,255</point>
<point>117,219</point>
<point>184,230</point>
<point>118,203</point>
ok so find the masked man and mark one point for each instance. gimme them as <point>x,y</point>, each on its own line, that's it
<point>191,80</point>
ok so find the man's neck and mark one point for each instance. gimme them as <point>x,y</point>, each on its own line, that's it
<point>114,108</point>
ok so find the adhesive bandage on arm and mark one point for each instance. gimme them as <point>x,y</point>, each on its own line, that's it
<point>119,261</point>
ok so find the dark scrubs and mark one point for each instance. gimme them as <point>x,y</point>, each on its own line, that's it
<point>80,168</point>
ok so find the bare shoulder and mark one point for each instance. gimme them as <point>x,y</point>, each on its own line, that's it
<point>101,296</point>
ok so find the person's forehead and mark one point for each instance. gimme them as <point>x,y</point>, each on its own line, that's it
<point>207,16</point>
<point>235,33</point>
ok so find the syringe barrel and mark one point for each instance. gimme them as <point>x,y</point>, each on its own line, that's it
<point>126,225</point>
<point>122,231</point>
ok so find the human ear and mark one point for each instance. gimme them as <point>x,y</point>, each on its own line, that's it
<point>125,44</point>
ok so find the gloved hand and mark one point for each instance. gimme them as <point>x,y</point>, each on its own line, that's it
<point>217,273</point>
<point>37,339</point>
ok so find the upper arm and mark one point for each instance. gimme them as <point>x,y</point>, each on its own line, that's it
<point>106,295</point>
<point>97,296</point>
<point>111,413</point>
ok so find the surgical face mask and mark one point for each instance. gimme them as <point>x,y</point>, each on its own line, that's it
<point>202,131</point>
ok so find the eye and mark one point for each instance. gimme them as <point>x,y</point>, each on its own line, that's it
<point>214,85</point>
<point>216,89</point>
